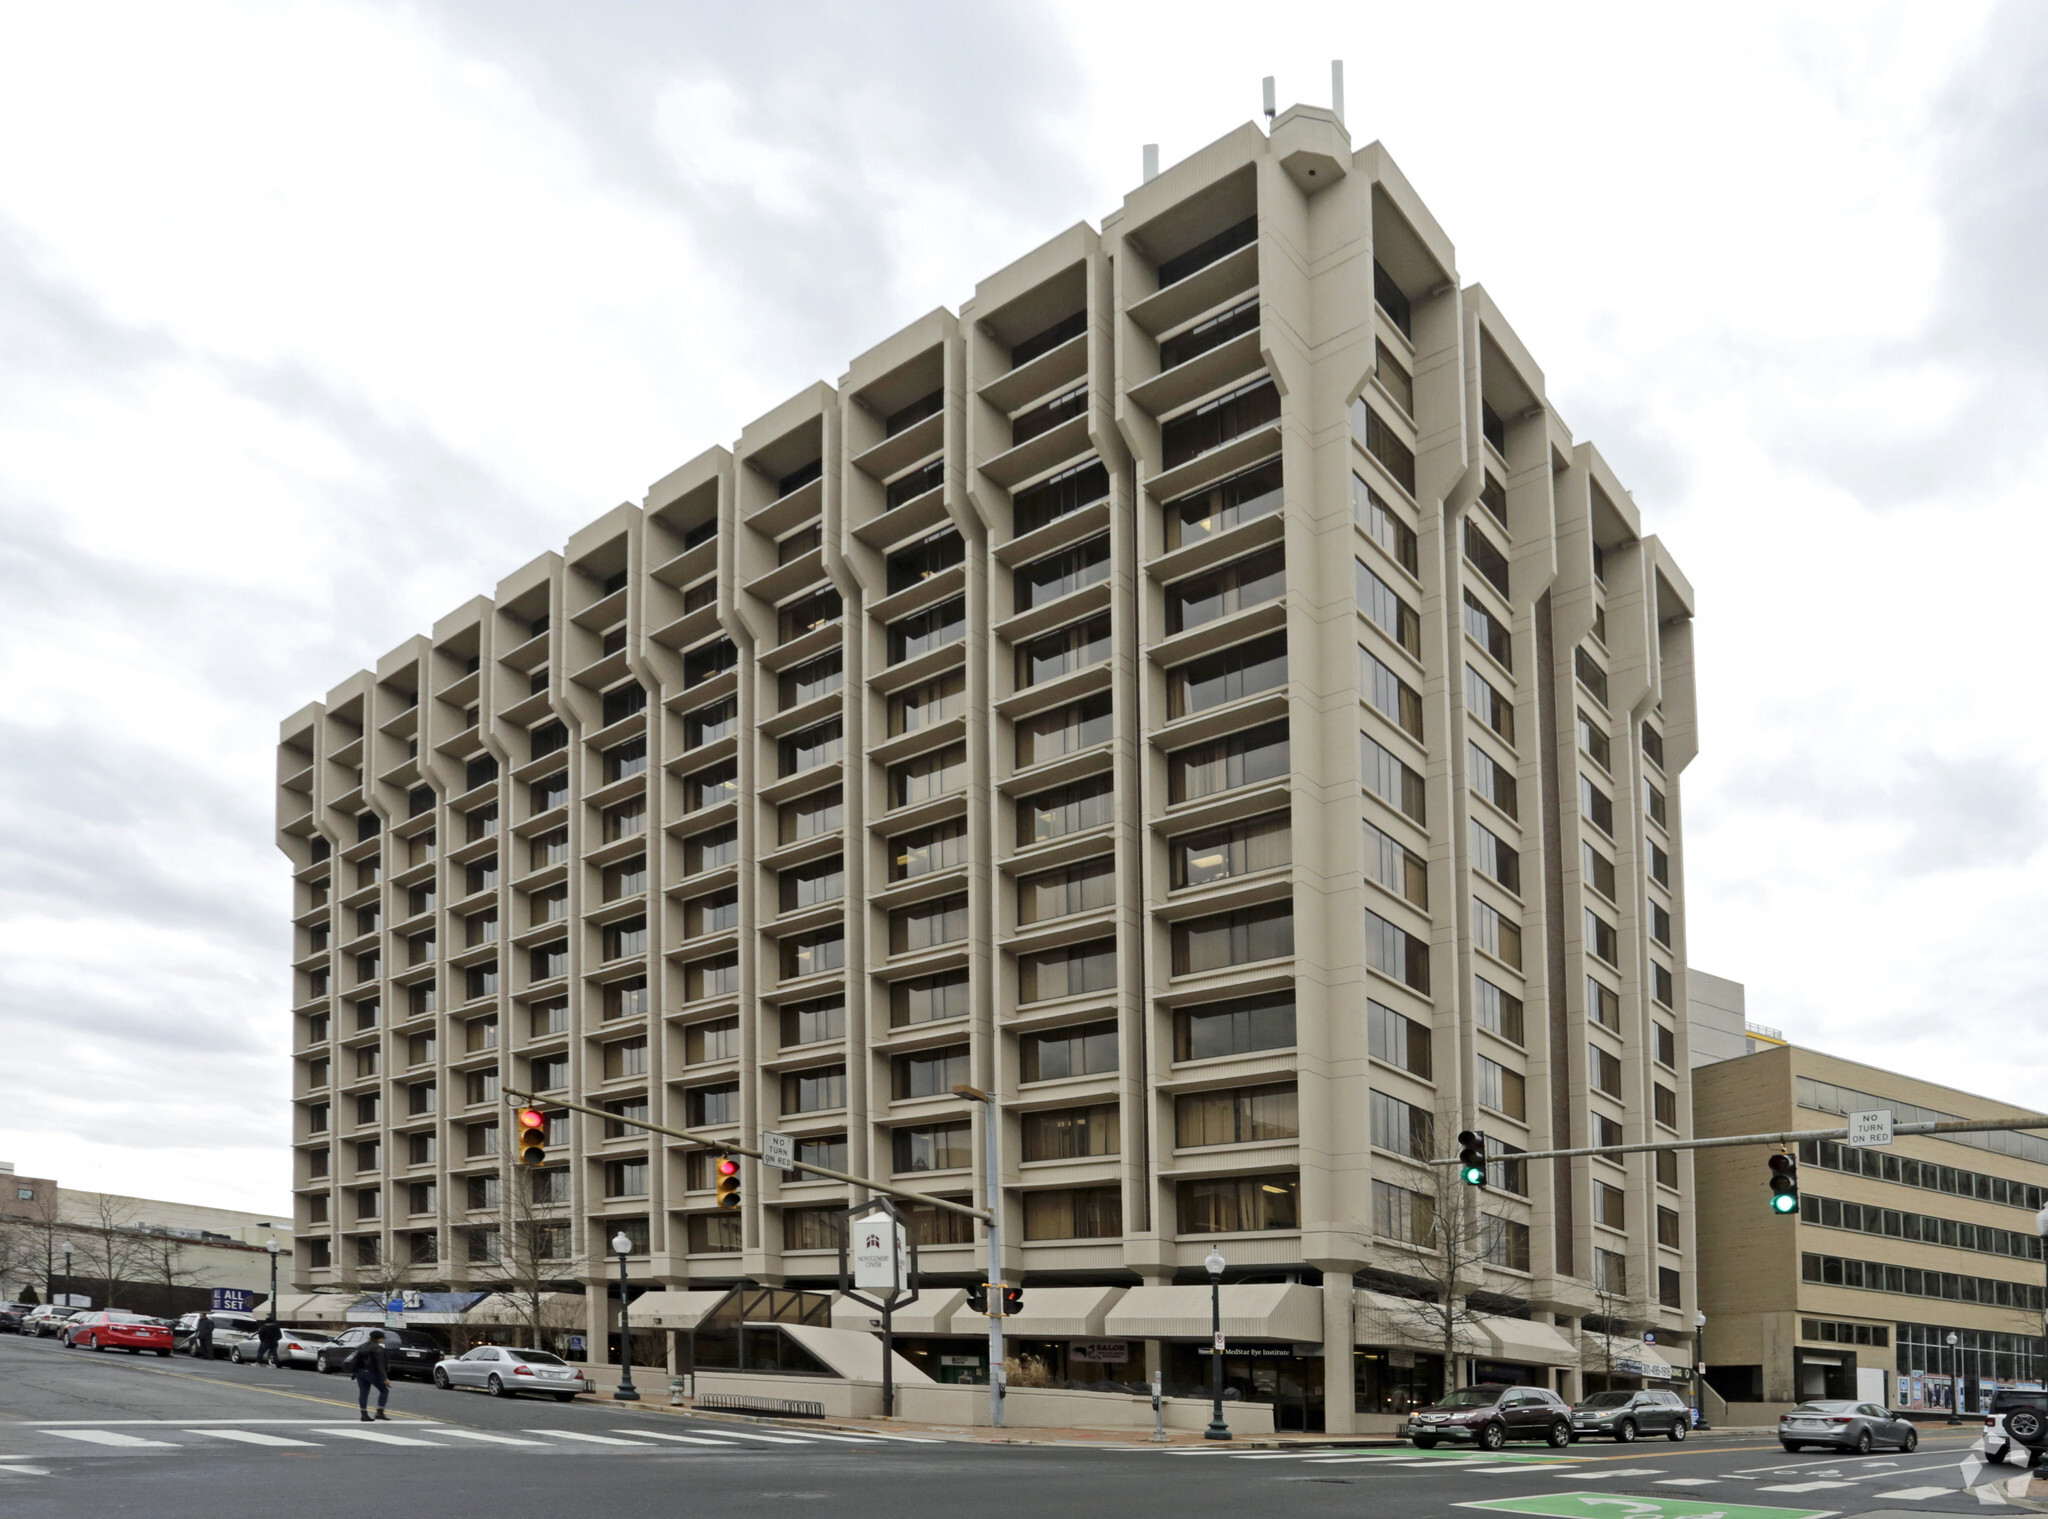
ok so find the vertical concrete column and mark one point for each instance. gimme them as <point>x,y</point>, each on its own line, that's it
<point>1340,1403</point>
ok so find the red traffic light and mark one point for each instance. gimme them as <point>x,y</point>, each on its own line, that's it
<point>728,1166</point>
<point>532,1118</point>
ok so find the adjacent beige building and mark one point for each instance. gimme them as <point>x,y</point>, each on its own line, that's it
<point>1894,1248</point>
<point>1201,690</point>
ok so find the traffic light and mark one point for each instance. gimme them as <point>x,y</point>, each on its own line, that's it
<point>533,1137</point>
<point>977,1298</point>
<point>1013,1301</point>
<point>1472,1158</point>
<point>1784,1183</point>
<point>728,1182</point>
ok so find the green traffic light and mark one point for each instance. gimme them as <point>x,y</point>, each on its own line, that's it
<point>1785,1202</point>
<point>1474,1176</point>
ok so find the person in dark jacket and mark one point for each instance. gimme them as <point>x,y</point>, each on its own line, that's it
<point>268,1333</point>
<point>371,1363</point>
<point>202,1337</point>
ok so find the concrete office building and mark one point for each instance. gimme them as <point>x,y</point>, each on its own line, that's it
<point>1200,691</point>
<point>1893,1250</point>
<point>1718,1021</point>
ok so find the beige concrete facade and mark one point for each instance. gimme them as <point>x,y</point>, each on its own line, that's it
<point>1201,690</point>
<point>1894,1248</point>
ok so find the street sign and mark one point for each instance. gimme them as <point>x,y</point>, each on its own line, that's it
<point>1596,1505</point>
<point>233,1299</point>
<point>1870,1129</point>
<point>1101,1352</point>
<point>1219,1339</point>
<point>70,1300</point>
<point>878,1263</point>
<point>576,1344</point>
<point>778,1151</point>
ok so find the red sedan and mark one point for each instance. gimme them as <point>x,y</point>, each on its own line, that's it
<point>113,1329</point>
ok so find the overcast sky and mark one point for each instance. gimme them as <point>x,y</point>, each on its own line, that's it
<point>315,319</point>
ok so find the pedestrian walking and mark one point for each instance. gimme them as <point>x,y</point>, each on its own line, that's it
<point>267,1335</point>
<point>371,1364</point>
<point>202,1336</point>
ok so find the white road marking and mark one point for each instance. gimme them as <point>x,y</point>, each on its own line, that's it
<point>1802,1487</point>
<point>1600,1473</point>
<point>25,1471</point>
<point>656,1434</point>
<point>1916,1492</point>
<point>575,1434</point>
<point>819,1434</point>
<point>740,1434</point>
<point>381,1438</point>
<point>1687,1481</point>
<point>109,1437</point>
<point>252,1437</point>
<point>485,1434</point>
<point>1337,1460</point>
<point>182,1423</point>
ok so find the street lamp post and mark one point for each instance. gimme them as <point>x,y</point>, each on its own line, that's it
<point>2041,1232</point>
<point>65,1251</point>
<point>273,1247</point>
<point>1955,1383</point>
<point>627,1393</point>
<point>1217,1429</point>
<point>1699,1355</point>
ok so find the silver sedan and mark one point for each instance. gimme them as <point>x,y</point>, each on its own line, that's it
<point>505,1371</point>
<point>295,1347</point>
<point>1845,1425</point>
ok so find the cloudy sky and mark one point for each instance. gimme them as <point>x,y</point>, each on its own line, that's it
<point>282,283</point>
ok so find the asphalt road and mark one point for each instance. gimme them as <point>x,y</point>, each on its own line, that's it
<point>84,1435</point>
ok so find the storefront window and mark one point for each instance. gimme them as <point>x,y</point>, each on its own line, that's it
<point>1396,1381</point>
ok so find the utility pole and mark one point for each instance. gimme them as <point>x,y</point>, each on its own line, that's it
<point>992,1166</point>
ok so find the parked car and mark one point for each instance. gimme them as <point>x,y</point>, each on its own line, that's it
<point>229,1329</point>
<point>45,1319</point>
<point>412,1354</point>
<point>505,1371</point>
<point>295,1347</point>
<point>1490,1415</point>
<point>2013,1417</point>
<point>1845,1425</point>
<point>114,1329</point>
<point>1624,1413</point>
<point>11,1315</point>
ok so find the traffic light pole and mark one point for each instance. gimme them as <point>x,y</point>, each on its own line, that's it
<point>734,1147</point>
<point>1788,1137</point>
<point>992,1191</point>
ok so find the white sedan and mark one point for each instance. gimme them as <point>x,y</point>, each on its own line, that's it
<point>505,1371</point>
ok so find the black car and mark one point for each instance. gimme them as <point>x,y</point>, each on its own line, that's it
<point>1490,1415</point>
<point>1623,1413</point>
<point>411,1353</point>
<point>11,1315</point>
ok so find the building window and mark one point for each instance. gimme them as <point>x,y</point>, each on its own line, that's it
<point>1489,706</point>
<point>626,937</point>
<point>1610,1206</point>
<point>1069,971</point>
<point>1660,924</point>
<point>704,1043</point>
<point>806,886</point>
<point>1488,632</point>
<point>1402,1127</point>
<point>1074,1213</point>
<point>1229,503</point>
<point>1593,742</point>
<point>1501,1089</point>
<point>1603,1005</point>
<point>1484,557</point>
<point>1227,590</point>
<point>1495,859</point>
<point>1392,951</point>
<point>943,846</point>
<point>626,999</point>
<point>707,725</point>
<point>1492,780</point>
<point>927,925</point>
<point>1666,1045</point>
<point>810,816</point>
<point>929,704</point>
<point>928,999</point>
<point>1387,611</point>
<point>1601,938</point>
<point>713,1106</point>
<point>927,777</point>
<point>1069,809</point>
<point>1407,1218</point>
<point>1383,526</point>
<point>1240,1026</point>
<point>929,1073</point>
<point>1653,745</point>
<point>1393,865</point>
<point>1496,933</point>
<point>1590,675</point>
<point>1088,1049</point>
<point>714,1233</point>
<point>1071,1133</point>
<point>943,1147</point>
<point>1497,1010</point>
<point>1397,1040</point>
<point>1229,675</point>
<point>625,1057</point>
<point>1063,730</point>
<point>814,1091</point>
<point>1060,496</point>
<point>1654,804</point>
<point>713,786</point>
<point>929,556</point>
<point>1610,1273</point>
<point>1063,651</point>
<point>814,953</point>
<point>627,759</point>
<point>1244,937</point>
<point>1389,695</point>
<point>1240,1116</point>
<point>1240,1204</point>
<point>806,615</point>
<point>1248,758</point>
<point>1604,1070</point>
<point>1221,854</point>
<point>1667,1226</point>
<point>716,913</point>
<point>1215,423</point>
<point>813,1228</point>
<point>1667,1169</point>
<point>1060,893</point>
<point>812,747</point>
<point>1665,1105</point>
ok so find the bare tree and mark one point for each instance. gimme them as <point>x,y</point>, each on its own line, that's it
<point>106,1243</point>
<point>1614,1312</point>
<point>533,1244</point>
<point>160,1261</point>
<point>37,1230</point>
<point>1457,1239</point>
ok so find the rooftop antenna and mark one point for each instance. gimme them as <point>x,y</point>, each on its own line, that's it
<point>1151,162</point>
<point>1337,88</point>
<point>1270,109</point>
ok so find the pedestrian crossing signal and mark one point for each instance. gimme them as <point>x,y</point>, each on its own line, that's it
<point>1472,1158</point>
<point>533,1137</point>
<point>728,1182</point>
<point>1013,1301</point>
<point>977,1298</point>
<point>1784,1183</point>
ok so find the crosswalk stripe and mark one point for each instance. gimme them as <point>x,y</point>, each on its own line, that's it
<point>657,1434</point>
<point>1688,1481</point>
<point>1352,1460</point>
<point>819,1434</point>
<point>8,1464</point>
<point>485,1434</point>
<point>577,1434</point>
<point>1916,1492</point>
<point>1509,1469</point>
<point>1589,1473</point>
<point>1802,1487</point>
<point>110,1437</point>
<point>379,1437</point>
<point>252,1437</point>
<point>740,1434</point>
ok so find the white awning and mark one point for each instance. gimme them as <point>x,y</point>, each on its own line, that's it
<point>1531,1343</point>
<point>1632,1358</point>
<point>1381,1319</point>
<point>1053,1313</point>
<point>558,1310</point>
<point>932,1313</point>
<point>672,1310</point>
<point>1251,1311</point>
<point>313,1307</point>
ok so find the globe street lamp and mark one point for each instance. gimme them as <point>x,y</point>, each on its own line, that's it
<point>1217,1429</point>
<point>627,1393</point>
<point>1955,1383</point>
<point>1699,1355</point>
<point>273,1247</point>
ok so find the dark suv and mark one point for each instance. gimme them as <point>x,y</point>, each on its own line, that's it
<point>1623,1413</point>
<point>2013,1417</point>
<point>1490,1415</point>
<point>410,1353</point>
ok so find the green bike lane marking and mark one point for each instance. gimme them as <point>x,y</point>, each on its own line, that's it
<point>1597,1505</point>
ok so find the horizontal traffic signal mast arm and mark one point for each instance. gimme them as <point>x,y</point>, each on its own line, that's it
<point>1728,1141</point>
<point>734,1147</point>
